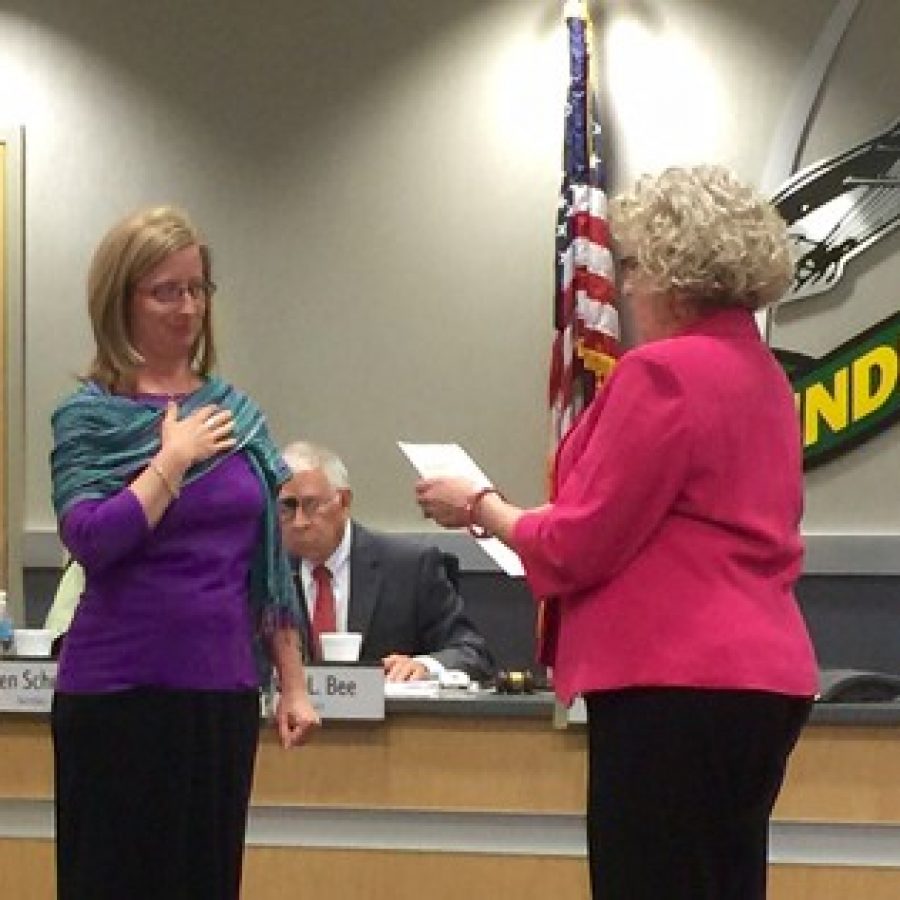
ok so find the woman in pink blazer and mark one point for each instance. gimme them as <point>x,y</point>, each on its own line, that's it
<point>668,556</point>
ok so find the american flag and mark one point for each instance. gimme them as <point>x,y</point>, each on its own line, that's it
<point>587,324</point>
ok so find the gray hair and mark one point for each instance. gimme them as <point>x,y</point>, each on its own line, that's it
<point>303,456</point>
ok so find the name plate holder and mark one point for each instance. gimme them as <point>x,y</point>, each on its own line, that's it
<point>337,690</point>
<point>351,691</point>
<point>26,684</point>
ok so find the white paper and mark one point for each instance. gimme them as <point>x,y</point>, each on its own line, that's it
<point>444,461</point>
<point>452,461</point>
<point>394,689</point>
<point>507,559</point>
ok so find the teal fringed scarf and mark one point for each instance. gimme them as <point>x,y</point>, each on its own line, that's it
<point>101,440</point>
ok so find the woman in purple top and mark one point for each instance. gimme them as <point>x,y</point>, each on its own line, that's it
<point>669,553</point>
<point>164,483</point>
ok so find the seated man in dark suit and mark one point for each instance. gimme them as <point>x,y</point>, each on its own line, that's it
<point>392,590</point>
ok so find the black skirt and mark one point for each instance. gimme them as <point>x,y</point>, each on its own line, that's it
<point>681,786</point>
<point>152,791</point>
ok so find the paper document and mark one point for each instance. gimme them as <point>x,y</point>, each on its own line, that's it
<point>393,689</point>
<point>444,460</point>
<point>452,461</point>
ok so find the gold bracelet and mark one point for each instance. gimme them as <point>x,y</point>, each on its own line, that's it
<point>173,492</point>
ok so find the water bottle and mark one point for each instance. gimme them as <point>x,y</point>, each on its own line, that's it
<point>6,628</point>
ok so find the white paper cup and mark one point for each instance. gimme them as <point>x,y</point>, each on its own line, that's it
<point>340,646</point>
<point>32,641</point>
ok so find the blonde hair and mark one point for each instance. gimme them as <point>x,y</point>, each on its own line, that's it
<point>131,249</point>
<point>703,234</point>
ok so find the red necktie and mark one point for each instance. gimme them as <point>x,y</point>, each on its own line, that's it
<point>324,616</point>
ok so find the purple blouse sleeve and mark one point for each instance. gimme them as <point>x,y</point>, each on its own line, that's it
<point>99,533</point>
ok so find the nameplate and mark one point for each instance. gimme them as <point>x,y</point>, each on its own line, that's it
<point>346,691</point>
<point>336,691</point>
<point>26,685</point>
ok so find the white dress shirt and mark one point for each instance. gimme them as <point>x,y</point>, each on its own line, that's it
<point>339,566</point>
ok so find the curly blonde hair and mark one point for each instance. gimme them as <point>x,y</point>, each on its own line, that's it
<point>702,233</point>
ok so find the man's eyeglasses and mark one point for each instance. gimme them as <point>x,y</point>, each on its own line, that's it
<point>309,506</point>
<point>172,291</point>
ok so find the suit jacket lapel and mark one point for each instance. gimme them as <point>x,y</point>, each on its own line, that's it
<point>305,632</point>
<point>365,580</point>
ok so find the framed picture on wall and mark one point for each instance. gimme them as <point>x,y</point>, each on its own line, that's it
<point>12,430</point>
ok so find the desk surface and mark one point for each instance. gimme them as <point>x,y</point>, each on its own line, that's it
<point>26,685</point>
<point>542,705</point>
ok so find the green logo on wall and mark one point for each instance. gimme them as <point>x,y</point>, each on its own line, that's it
<point>836,209</point>
<point>849,395</point>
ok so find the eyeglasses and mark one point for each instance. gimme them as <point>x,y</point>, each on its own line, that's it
<point>309,506</point>
<point>172,291</point>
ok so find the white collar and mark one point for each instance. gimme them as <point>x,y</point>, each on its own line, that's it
<point>338,559</point>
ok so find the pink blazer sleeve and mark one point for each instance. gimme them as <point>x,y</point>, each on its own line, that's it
<point>628,470</point>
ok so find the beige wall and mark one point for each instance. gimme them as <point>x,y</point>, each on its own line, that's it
<point>4,521</point>
<point>378,180</point>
